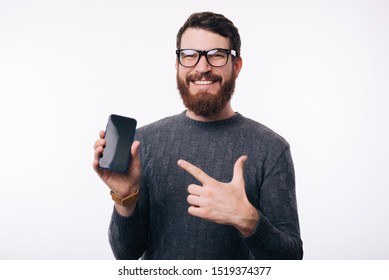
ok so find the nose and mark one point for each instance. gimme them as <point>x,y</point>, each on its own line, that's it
<point>203,66</point>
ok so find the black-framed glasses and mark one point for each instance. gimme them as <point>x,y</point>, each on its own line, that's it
<point>215,57</point>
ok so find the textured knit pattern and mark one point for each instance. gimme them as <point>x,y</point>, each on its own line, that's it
<point>161,227</point>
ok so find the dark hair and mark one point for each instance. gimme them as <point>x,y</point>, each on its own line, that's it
<point>215,23</point>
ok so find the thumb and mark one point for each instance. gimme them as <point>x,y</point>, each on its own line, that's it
<point>238,176</point>
<point>135,152</point>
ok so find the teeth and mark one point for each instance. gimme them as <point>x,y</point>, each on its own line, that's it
<point>203,82</point>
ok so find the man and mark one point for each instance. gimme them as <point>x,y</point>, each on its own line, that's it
<point>213,184</point>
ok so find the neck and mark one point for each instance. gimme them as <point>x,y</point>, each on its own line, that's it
<point>225,113</point>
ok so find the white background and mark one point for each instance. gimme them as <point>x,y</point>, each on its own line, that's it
<point>314,71</point>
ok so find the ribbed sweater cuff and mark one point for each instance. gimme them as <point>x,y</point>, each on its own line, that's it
<point>125,222</point>
<point>262,232</point>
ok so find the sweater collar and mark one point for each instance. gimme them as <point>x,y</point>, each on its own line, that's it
<point>224,122</point>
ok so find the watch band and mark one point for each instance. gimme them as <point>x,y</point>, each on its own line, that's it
<point>127,200</point>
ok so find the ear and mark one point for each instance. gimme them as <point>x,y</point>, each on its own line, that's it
<point>238,63</point>
<point>177,64</point>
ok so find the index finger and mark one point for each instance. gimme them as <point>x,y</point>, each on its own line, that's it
<point>194,171</point>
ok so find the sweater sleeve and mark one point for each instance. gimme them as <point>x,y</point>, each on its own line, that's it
<point>128,236</point>
<point>277,235</point>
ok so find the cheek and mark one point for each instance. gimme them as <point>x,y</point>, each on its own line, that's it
<point>182,74</point>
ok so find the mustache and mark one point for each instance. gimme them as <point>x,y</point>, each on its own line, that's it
<point>206,76</point>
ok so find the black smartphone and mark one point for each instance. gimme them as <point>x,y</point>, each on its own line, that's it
<point>119,135</point>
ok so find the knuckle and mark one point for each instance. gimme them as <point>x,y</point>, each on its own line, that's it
<point>205,212</point>
<point>207,192</point>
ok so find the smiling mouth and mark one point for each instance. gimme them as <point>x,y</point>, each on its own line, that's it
<point>204,79</point>
<point>203,82</point>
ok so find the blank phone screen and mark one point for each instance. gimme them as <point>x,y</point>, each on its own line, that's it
<point>119,135</point>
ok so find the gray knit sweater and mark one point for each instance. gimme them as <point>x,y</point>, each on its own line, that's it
<point>161,227</point>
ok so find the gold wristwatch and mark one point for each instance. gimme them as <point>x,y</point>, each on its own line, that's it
<point>127,200</point>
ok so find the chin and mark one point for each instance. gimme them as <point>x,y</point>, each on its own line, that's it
<point>204,92</point>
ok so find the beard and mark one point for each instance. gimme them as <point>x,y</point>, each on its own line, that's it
<point>204,103</point>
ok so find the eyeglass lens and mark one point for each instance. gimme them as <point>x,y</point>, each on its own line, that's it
<point>216,57</point>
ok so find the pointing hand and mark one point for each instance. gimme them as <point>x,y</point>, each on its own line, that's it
<point>222,203</point>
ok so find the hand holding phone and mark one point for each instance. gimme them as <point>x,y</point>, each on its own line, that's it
<point>119,136</point>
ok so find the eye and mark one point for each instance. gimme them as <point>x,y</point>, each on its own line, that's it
<point>217,54</point>
<point>188,53</point>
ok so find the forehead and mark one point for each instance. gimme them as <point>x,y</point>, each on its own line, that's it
<point>201,39</point>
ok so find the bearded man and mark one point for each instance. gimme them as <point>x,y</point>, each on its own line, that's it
<point>213,184</point>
